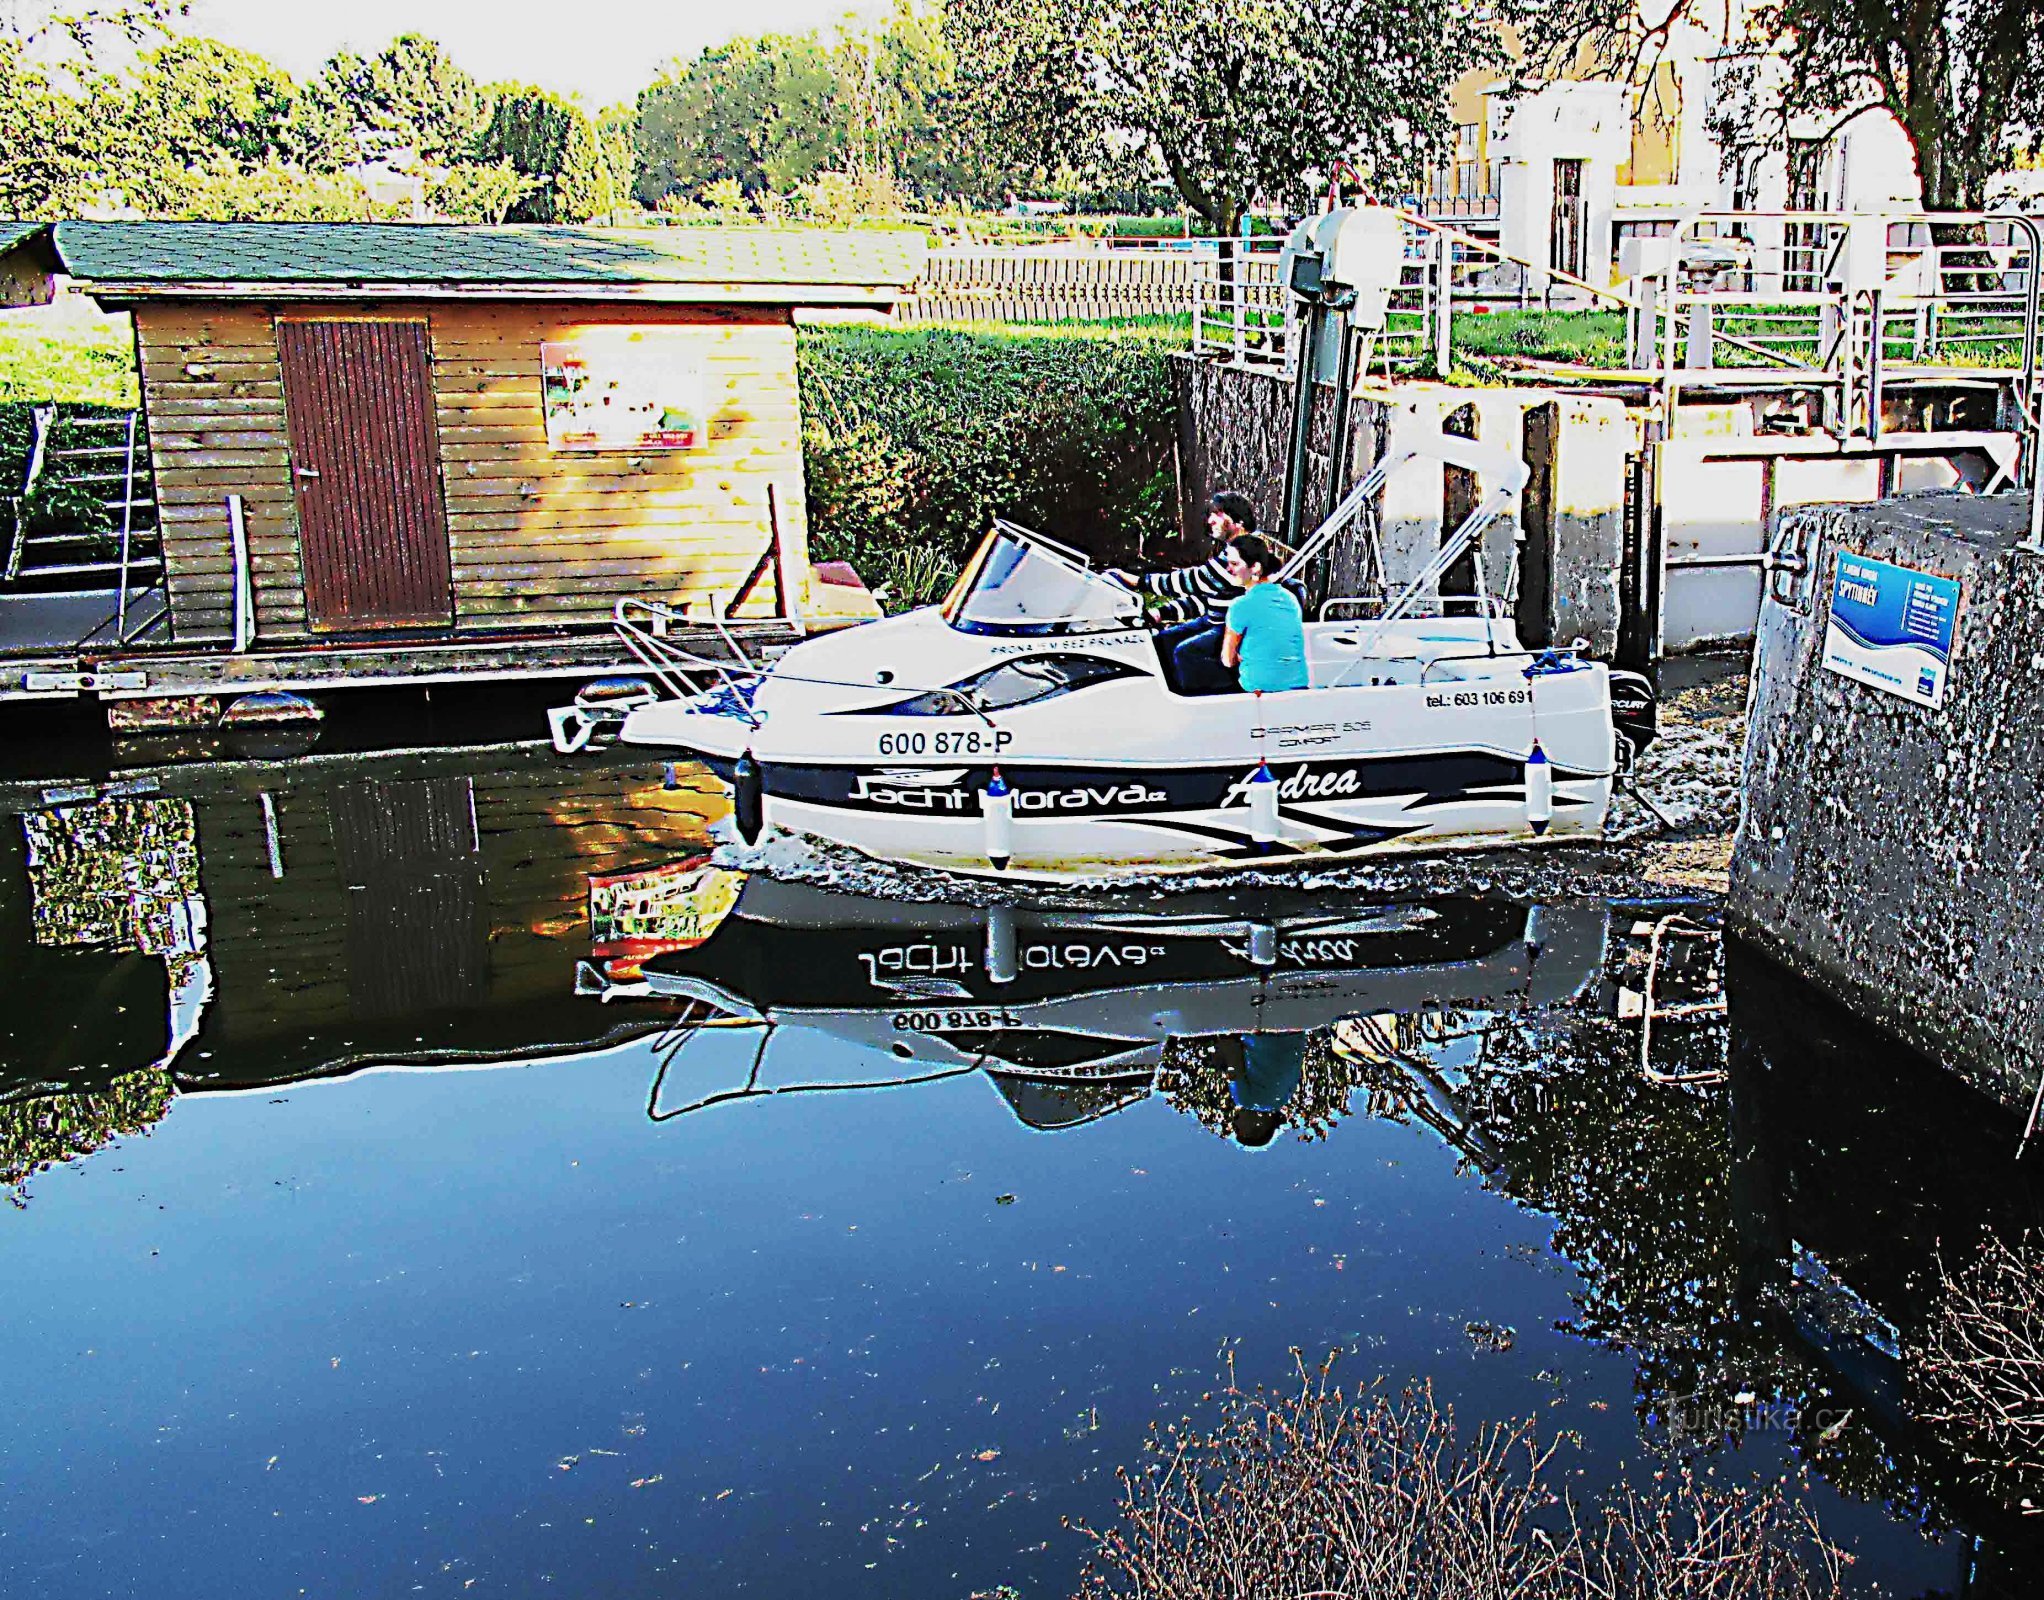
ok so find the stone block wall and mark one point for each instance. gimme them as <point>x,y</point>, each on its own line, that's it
<point>1235,430</point>
<point>1891,852</point>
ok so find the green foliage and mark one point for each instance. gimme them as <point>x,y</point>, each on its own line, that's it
<point>1238,99</point>
<point>409,96</point>
<point>221,191</point>
<point>550,141</point>
<point>195,100</point>
<point>49,147</point>
<point>90,365</point>
<point>528,132</point>
<point>583,190</point>
<point>761,111</point>
<point>778,113</point>
<point>915,439</point>
<point>617,134</point>
<point>476,191</point>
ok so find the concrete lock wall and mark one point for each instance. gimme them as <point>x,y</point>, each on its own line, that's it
<point>1572,513</point>
<point>1889,850</point>
<point>1234,427</point>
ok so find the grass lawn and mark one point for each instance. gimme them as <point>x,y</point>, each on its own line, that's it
<point>90,364</point>
<point>1594,338</point>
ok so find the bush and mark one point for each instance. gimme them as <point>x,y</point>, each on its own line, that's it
<point>916,438</point>
<point>1375,1496</point>
<point>1978,1368</point>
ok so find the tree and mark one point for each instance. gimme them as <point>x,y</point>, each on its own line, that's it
<point>475,191</point>
<point>582,187</point>
<point>1240,99</point>
<point>410,96</point>
<point>617,134</point>
<point>1958,75</point>
<point>60,118</point>
<point>551,141</point>
<point>196,104</point>
<point>898,84</point>
<point>762,111</point>
<point>79,31</point>
<point>43,169</point>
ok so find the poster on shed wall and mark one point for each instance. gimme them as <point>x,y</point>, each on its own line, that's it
<point>622,389</point>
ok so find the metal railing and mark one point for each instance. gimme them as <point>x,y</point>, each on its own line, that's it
<point>1796,291</point>
<point>85,517</point>
<point>1243,314</point>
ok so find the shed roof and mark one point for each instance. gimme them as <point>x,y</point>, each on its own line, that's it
<point>14,232</point>
<point>28,263</point>
<point>119,260</point>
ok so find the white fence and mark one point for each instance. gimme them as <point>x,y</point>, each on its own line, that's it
<point>987,284</point>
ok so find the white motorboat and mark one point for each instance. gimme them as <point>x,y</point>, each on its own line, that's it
<point>1026,726</point>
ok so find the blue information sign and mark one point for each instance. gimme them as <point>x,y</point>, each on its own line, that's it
<point>1891,627</point>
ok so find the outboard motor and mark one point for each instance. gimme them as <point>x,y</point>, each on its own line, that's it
<point>1635,713</point>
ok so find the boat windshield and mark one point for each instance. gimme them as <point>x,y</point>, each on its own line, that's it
<point>1019,582</point>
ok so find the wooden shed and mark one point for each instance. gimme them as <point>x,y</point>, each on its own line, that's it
<point>463,432</point>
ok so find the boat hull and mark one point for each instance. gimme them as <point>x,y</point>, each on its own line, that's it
<point>1085,822</point>
<point>1425,744</point>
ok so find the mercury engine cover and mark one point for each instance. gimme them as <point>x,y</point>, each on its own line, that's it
<point>1635,710</point>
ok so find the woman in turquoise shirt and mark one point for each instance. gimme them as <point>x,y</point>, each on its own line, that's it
<point>1265,641</point>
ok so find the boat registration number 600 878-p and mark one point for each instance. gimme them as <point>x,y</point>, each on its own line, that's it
<point>961,742</point>
<point>950,1021</point>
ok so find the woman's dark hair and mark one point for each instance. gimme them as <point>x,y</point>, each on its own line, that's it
<point>1235,507</point>
<point>1255,552</point>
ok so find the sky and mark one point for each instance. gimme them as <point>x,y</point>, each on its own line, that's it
<point>603,50</point>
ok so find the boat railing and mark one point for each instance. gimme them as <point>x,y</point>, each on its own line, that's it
<point>1368,607</point>
<point>643,626</point>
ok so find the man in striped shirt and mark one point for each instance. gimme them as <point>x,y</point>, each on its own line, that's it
<point>1195,602</point>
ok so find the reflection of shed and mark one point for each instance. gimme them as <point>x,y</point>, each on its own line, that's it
<point>424,908</point>
<point>463,435</point>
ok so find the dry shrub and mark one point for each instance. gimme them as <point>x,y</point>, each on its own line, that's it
<point>1979,1368</point>
<point>1315,1494</point>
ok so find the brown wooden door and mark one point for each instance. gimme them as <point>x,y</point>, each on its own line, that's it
<point>365,463</point>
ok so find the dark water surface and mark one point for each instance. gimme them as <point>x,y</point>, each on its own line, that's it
<point>376,1259</point>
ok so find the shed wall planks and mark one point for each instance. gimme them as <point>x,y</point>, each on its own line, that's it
<point>535,539</point>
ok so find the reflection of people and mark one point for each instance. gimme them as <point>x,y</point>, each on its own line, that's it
<point>1264,1071</point>
<point>1265,634</point>
<point>1196,600</point>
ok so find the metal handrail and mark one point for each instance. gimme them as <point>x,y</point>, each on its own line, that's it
<point>44,418</point>
<point>127,534</point>
<point>664,659</point>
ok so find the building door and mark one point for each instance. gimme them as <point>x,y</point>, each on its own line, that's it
<point>365,465</point>
<point>1565,227</point>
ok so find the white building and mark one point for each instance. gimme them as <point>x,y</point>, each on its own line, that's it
<point>1562,175</point>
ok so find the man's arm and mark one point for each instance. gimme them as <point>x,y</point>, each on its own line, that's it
<point>1206,581</point>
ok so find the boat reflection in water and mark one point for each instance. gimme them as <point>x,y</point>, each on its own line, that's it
<point>1070,1014</point>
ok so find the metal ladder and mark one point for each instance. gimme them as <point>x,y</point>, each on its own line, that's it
<point>1645,1006</point>
<point>107,458</point>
